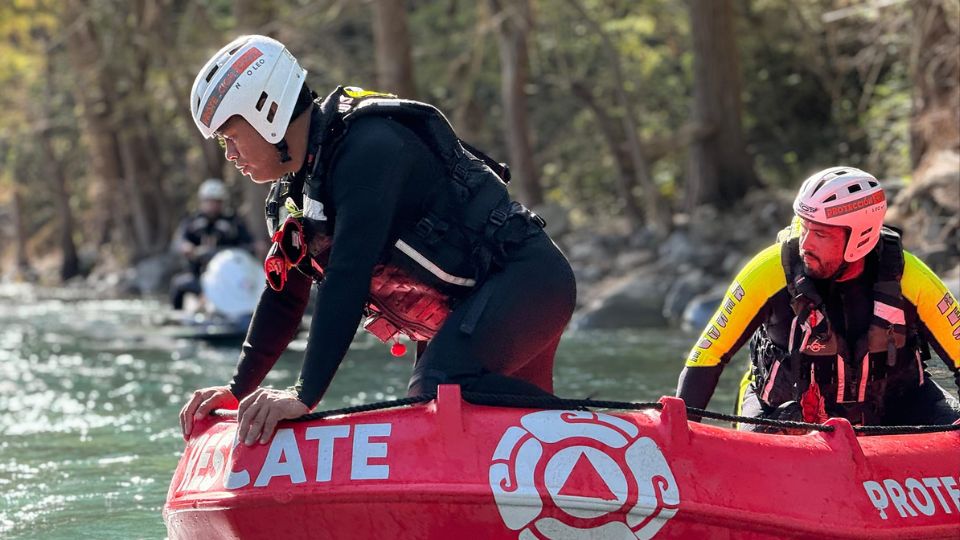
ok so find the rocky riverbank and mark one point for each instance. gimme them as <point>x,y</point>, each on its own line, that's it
<point>639,280</point>
<point>649,280</point>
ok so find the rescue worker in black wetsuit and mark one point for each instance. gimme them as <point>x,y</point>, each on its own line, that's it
<point>202,234</point>
<point>404,225</point>
<point>841,319</point>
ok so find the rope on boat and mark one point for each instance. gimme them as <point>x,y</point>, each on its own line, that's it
<point>904,430</point>
<point>380,405</point>
<point>551,402</point>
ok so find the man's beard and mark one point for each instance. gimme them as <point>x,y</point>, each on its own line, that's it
<point>821,272</point>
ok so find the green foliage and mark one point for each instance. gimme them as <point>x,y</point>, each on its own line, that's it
<point>819,91</point>
<point>815,93</point>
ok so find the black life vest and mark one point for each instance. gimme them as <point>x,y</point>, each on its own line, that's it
<point>459,238</point>
<point>813,359</point>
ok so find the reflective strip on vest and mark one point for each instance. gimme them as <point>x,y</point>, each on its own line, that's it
<point>432,268</point>
<point>769,386</point>
<point>891,314</point>
<point>863,377</point>
<point>841,378</point>
<point>919,365</point>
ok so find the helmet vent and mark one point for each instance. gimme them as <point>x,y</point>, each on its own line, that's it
<point>831,198</point>
<point>867,231</point>
<point>872,183</point>
<point>862,243</point>
<point>261,101</point>
<point>237,48</point>
<point>212,71</point>
<point>854,188</point>
<point>272,112</point>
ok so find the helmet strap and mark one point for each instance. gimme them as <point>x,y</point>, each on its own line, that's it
<point>840,270</point>
<point>304,101</point>
<point>283,149</point>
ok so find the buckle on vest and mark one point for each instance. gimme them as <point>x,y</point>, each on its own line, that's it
<point>424,227</point>
<point>431,231</point>
<point>498,216</point>
<point>460,170</point>
<point>538,220</point>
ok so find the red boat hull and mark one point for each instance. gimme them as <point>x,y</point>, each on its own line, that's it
<point>448,469</point>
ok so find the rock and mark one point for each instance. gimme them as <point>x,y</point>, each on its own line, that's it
<point>699,311</point>
<point>677,249</point>
<point>152,275</point>
<point>683,290</point>
<point>732,263</point>
<point>646,238</point>
<point>557,218</point>
<point>951,279</point>
<point>587,251</point>
<point>589,273</point>
<point>633,301</point>
<point>938,257</point>
<point>629,261</point>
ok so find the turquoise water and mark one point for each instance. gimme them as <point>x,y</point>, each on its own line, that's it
<point>90,391</point>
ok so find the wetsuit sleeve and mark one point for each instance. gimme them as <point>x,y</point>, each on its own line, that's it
<point>936,307</point>
<point>738,316</point>
<point>274,324</point>
<point>368,172</point>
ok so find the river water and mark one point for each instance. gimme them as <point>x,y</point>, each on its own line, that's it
<point>90,391</point>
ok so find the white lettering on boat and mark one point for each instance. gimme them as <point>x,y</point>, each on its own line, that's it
<point>325,436</point>
<point>215,456</point>
<point>915,497</point>
<point>283,459</point>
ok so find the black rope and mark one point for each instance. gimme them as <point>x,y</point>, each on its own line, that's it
<point>380,405</point>
<point>787,424</point>
<point>904,430</point>
<point>551,402</point>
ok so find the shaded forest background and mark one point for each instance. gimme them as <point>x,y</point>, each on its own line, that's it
<point>623,115</point>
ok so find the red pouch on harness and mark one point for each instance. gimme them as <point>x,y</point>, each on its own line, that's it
<point>288,249</point>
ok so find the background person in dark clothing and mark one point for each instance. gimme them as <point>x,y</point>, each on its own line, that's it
<point>202,234</point>
<point>422,235</point>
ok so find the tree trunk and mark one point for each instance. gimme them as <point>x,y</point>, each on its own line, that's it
<point>935,71</point>
<point>513,24</point>
<point>96,107</point>
<point>392,44</point>
<point>720,170</point>
<point>469,116</point>
<point>70,263</point>
<point>21,259</point>
<point>112,54</point>
<point>656,217</point>
<point>621,159</point>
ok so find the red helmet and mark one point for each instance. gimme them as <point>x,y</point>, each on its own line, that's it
<point>845,197</point>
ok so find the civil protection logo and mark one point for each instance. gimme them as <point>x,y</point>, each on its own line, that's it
<point>581,475</point>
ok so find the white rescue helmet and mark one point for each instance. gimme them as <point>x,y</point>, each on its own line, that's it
<point>212,189</point>
<point>845,197</point>
<point>255,77</point>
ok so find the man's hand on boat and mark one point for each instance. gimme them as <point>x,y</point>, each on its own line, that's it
<point>259,413</point>
<point>203,402</point>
